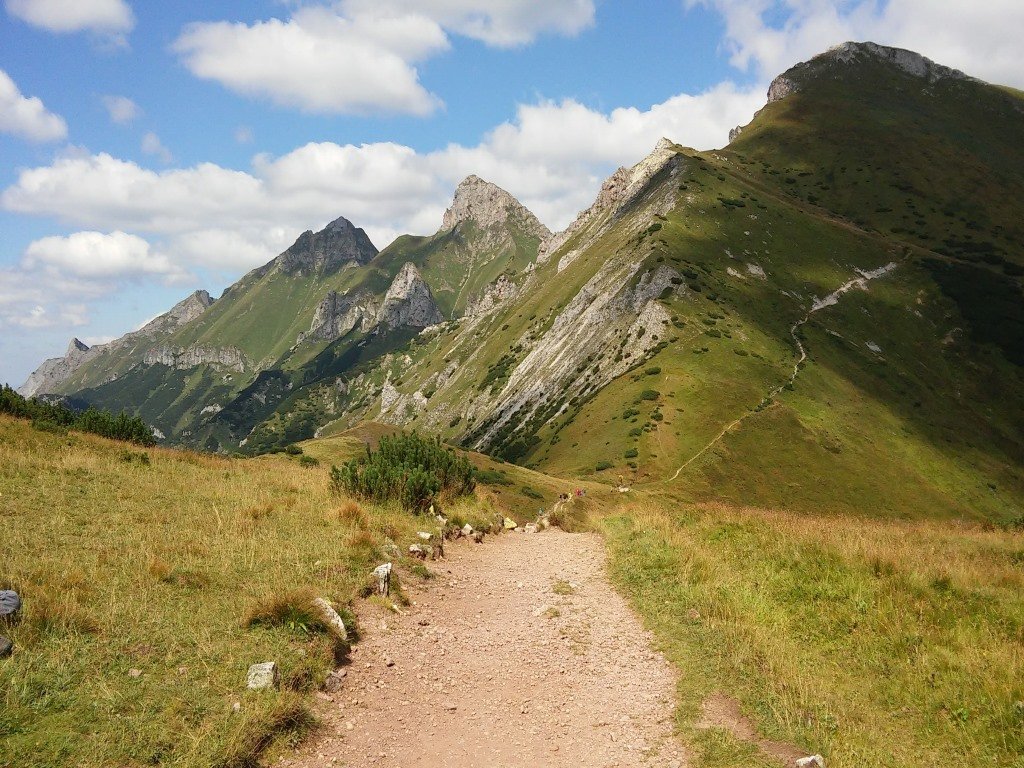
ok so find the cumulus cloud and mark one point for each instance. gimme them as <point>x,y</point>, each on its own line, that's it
<point>62,16</point>
<point>95,255</point>
<point>121,109</point>
<point>26,116</point>
<point>323,62</point>
<point>769,36</point>
<point>502,23</point>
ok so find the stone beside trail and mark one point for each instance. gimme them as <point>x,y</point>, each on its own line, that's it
<point>519,653</point>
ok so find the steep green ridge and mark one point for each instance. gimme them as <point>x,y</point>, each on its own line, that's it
<point>910,400</point>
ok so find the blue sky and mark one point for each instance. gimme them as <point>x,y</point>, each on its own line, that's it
<point>149,149</point>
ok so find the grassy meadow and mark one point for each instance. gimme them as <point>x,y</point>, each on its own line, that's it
<point>142,572</point>
<point>872,642</point>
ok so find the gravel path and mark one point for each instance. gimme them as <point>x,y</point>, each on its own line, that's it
<point>519,653</point>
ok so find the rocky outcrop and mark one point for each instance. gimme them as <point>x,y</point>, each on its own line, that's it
<point>185,311</point>
<point>338,314</point>
<point>409,301</point>
<point>488,205</point>
<point>618,193</point>
<point>51,373</point>
<point>183,359</point>
<point>836,62</point>
<point>337,244</point>
<point>492,297</point>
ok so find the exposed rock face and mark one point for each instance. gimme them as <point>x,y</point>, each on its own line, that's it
<point>735,133</point>
<point>493,296</point>
<point>837,59</point>
<point>53,372</point>
<point>338,314</point>
<point>488,205</point>
<point>621,189</point>
<point>409,301</point>
<point>329,249</point>
<point>228,358</point>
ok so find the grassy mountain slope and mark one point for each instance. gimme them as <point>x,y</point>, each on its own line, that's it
<point>909,401</point>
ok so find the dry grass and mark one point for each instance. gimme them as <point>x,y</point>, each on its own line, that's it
<point>159,567</point>
<point>872,642</point>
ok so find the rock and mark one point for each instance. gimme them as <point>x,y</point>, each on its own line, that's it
<point>134,673</point>
<point>331,618</point>
<point>409,302</point>
<point>814,761</point>
<point>391,549</point>
<point>415,550</point>
<point>236,707</point>
<point>478,537</point>
<point>488,205</point>
<point>334,681</point>
<point>6,646</point>
<point>328,250</point>
<point>262,676</point>
<point>509,524</point>
<point>383,574</point>
<point>426,536</point>
<point>388,661</point>
<point>467,530</point>
<point>10,605</point>
<point>734,133</point>
<point>186,358</point>
<point>530,528</point>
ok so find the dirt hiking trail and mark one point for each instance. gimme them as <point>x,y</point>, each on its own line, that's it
<point>519,653</point>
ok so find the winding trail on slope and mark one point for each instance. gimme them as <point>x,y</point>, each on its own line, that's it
<point>861,281</point>
<point>519,653</point>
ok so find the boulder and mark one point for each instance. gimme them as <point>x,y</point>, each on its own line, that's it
<point>415,550</point>
<point>814,761</point>
<point>10,605</point>
<point>6,646</point>
<point>331,618</point>
<point>478,537</point>
<point>424,535</point>
<point>467,530</point>
<point>262,676</point>
<point>531,528</point>
<point>509,524</point>
<point>383,574</point>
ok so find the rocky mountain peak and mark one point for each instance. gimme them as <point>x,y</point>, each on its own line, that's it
<point>75,347</point>
<point>338,243</point>
<point>837,61</point>
<point>489,205</point>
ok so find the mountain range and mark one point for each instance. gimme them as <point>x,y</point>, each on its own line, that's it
<point>827,313</point>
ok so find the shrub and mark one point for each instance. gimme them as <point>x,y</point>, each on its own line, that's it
<point>408,469</point>
<point>603,465</point>
<point>492,477</point>
<point>531,493</point>
<point>632,453</point>
<point>308,461</point>
<point>653,371</point>
<point>650,394</point>
<point>51,417</point>
<point>293,450</point>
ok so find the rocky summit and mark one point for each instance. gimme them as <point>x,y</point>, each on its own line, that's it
<point>337,244</point>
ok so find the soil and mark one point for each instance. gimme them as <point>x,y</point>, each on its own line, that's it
<point>518,653</point>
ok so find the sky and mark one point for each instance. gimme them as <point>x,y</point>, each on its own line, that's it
<point>148,149</point>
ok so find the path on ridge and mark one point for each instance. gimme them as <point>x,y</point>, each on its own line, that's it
<point>519,653</point>
<point>861,281</point>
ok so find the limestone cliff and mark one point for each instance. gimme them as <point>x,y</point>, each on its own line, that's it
<point>337,244</point>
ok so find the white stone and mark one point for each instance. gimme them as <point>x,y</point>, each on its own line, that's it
<point>263,675</point>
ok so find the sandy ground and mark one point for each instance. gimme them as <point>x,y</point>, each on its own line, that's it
<point>518,654</point>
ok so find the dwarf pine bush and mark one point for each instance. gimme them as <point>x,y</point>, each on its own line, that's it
<point>52,416</point>
<point>409,469</point>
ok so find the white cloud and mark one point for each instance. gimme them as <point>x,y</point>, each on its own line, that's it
<point>244,135</point>
<point>322,62</point>
<point>26,116</point>
<point>502,23</point>
<point>982,39</point>
<point>151,145</point>
<point>61,16</point>
<point>121,109</point>
<point>99,256</point>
